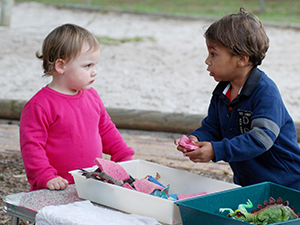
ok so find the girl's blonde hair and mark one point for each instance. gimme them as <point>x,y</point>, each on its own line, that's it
<point>65,42</point>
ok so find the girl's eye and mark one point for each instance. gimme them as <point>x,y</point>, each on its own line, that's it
<point>88,66</point>
<point>213,54</point>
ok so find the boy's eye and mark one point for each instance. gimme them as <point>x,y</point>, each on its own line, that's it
<point>87,66</point>
<point>213,54</point>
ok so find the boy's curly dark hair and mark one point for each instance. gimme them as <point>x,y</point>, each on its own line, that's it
<point>242,34</point>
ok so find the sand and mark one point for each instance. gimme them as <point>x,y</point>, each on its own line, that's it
<point>165,73</point>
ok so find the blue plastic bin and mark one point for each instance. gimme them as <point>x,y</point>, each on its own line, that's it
<point>205,209</point>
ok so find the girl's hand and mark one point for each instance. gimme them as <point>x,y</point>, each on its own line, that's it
<point>204,154</point>
<point>57,183</point>
<point>182,149</point>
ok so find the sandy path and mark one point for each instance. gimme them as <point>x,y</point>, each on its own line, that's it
<point>167,75</point>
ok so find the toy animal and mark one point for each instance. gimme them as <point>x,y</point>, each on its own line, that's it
<point>272,212</point>
<point>101,175</point>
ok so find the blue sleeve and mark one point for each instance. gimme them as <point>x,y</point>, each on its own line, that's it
<point>210,125</point>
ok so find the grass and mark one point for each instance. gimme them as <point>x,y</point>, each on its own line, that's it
<point>104,40</point>
<point>285,11</point>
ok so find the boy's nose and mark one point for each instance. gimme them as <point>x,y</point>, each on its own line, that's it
<point>207,61</point>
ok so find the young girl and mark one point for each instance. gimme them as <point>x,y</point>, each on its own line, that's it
<point>247,124</point>
<point>65,125</point>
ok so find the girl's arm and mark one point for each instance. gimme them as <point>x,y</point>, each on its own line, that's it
<point>113,142</point>
<point>34,127</point>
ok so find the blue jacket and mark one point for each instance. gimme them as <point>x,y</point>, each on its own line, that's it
<point>254,133</point>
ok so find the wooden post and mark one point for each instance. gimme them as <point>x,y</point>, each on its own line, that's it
<point>6,11</point>
<point>261,4</point>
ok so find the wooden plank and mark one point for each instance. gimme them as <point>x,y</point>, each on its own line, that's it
<point>124,118</point>
<point>154,120</point>
<point>130,118</point>
<point>11,109</point>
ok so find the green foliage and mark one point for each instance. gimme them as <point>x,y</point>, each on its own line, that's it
<point>104,40</point>
<point>287,11</point>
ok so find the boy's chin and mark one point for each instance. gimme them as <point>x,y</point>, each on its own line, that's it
<point>216,79</point>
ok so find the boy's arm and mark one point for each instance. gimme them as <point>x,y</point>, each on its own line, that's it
<point>210,126</point>
<point>204,154</point>
<point>268,118</point>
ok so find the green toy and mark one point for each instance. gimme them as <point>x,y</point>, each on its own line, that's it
<point>268,213</point>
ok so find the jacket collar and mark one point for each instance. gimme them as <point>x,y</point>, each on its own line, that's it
<point>249,86</point>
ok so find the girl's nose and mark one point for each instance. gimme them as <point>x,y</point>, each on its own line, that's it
<point>94,72</point>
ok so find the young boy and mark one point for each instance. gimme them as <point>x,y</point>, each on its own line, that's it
<point>247,124</point>
<point>65,125</point>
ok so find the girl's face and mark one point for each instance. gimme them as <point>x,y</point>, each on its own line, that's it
<point>80,72</point>
<point>222,65</point>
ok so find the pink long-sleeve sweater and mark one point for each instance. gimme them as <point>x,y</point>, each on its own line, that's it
<point>59,133</point>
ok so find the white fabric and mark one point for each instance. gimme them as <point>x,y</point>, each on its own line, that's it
<point>85,213</point>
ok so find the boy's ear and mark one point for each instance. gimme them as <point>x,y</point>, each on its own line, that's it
<point>243,60</point>
<point>60,66</point>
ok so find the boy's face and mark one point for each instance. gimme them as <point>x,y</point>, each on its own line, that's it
<point>80,72</point>
<point>222,65</point>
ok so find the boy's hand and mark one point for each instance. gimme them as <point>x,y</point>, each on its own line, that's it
<point>57,183</point>
<point>204,154</point>
<point>182,149</point>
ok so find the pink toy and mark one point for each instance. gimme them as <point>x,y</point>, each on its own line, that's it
<point>146,186</point>
<point>180,197</point>
<point>126,185</point>
<point>187,144</point>
<point>113,169</point>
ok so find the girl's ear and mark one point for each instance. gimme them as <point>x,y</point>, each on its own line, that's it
<point>243,60</point>
<point>60,66</point>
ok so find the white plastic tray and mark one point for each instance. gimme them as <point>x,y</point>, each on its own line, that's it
<point>123,199</point>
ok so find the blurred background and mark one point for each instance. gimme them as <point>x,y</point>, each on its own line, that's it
<point>285,11</point>
<point>153,51</point>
